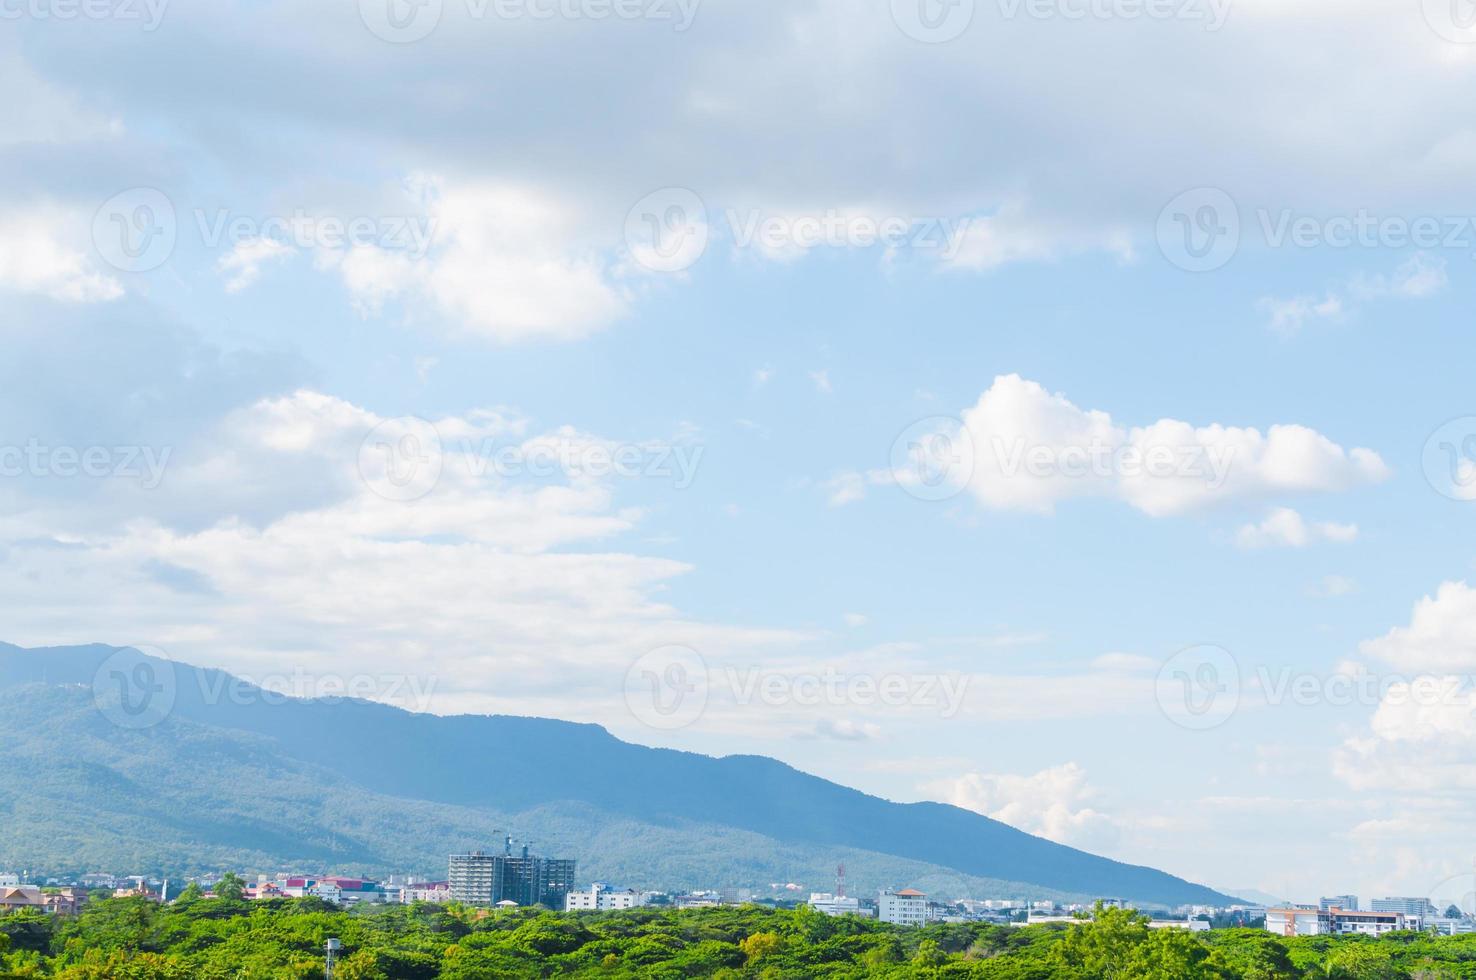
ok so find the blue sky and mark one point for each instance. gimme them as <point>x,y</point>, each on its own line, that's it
<point>503,292</point>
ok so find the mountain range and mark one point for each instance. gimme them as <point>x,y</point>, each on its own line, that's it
<point>216,774</point>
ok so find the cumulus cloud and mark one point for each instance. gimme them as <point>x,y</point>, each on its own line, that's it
<point>320,552</point>
<point>1285,528</point>
<point>41,252</point>
<point>1053,803</point>
<point>1029,449</point>
<point>242,264</point>
<point>1441,635</point>
<point>1422,735</point>
<point>506,262</point>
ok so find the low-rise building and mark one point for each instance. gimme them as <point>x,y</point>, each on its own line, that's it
<point>1310,921</point>
<point>830,904</point>
<point>13,897</point>
<point>906,907</point>
<point>602,898</point>
<point>64,901</point>
<point>1447,926</point>
<point>426,891</point>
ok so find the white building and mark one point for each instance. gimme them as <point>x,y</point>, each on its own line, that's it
<point>828,904</point>
<point>602,898</point>
<point>1452,927</point>
<point>1413,908</point>
<point>907,907</point>
<point>1335,922</point>
<point>327,891</point>
<point>1347,902</point>
<point>426,891</point>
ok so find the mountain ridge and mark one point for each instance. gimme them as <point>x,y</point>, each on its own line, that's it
<point>505,765</point>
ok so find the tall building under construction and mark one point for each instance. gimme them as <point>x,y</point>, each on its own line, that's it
<point>479,878</point>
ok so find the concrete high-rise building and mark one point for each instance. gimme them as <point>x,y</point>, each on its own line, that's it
<point>1346,902</point>
<point>1413,908</point>
<point>479,878</point>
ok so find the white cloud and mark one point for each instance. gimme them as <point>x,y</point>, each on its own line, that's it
<point>508,263</point>
<point>243,263</point>
<point>1125,661</point>
<point>1290,315</point>
<point>507,592</point>
<point>1285,528</point>
<point>41,252</point>
<point>1015,234</point>
<point>1420,276</point>
<point>1441,635</point>
<point>1332,587</point>
<point>845,488</point>
<point>821,380</point>
<point>1052,803</point>
<point>847,730</point>
<point>854,620</point>
<point>1422,736</point>
<point>1029,449</point>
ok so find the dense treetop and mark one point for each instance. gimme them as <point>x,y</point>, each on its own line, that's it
<point>213,939</point>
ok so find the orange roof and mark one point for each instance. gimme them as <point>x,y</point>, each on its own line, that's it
<point>908,893</point>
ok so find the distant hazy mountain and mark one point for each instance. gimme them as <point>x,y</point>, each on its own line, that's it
<point>1259,897</point>
<point>93,778</point>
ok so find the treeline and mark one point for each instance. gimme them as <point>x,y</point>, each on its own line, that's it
<point>215,939</point>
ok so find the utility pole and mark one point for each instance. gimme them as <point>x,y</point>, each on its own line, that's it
<point>330,948</point>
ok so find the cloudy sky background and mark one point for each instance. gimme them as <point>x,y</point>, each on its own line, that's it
<point>351,438</point>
